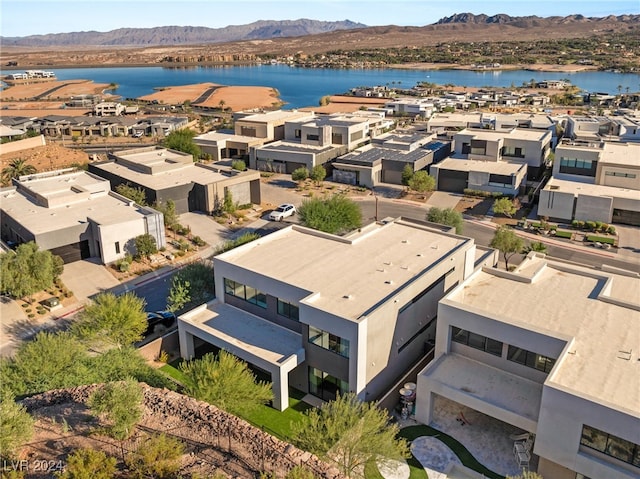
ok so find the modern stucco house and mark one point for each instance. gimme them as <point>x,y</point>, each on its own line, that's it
<point>517,145</point>
<point>552,349</point>
<point>166,174</point>
<point>384,160</point>
<point>328,314</point>
<point>75,215</point>
<point>594,181</point>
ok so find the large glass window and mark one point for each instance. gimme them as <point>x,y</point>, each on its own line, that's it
<point>325,386</point>
<point>530,359</point>
<point>329,341</point>
<point>610,445</point>
<point>247,293</point>
<point>514,151</point>
<point>577,166</point>
<point>288,310</point>
<point>476,341</point>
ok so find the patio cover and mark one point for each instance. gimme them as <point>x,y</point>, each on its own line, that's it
<point>492,391</point>
<point>252,339</point>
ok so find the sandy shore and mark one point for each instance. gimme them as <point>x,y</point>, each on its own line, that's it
<point>541,67</point>
<point>234,97</point>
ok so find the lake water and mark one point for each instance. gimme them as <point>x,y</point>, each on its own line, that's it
<point>300,87</point>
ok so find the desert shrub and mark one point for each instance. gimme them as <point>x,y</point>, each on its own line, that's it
<point>198,241</point>
<point>591,225</point>
<point>611,230</point>
<point>238,165</point>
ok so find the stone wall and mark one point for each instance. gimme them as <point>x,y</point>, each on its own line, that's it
<point>202,423</point>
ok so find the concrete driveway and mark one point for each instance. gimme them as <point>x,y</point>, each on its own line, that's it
<point>204,226</point>
<point>87,278</point>
<point>442,199</point>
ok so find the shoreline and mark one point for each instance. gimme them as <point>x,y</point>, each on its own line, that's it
<point>542,67</point>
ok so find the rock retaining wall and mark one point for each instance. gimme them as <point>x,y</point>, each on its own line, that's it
<point>198,422</point>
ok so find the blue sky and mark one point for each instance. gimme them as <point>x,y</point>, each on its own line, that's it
<point>33,17</point>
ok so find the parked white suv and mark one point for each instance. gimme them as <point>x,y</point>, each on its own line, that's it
<point>282,211</point>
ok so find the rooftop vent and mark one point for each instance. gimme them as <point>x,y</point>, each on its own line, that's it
<point>346,296</point>
<point>388,282</point>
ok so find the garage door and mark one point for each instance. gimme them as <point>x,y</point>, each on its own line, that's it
<point>73,252</point>
<point>453,181</point>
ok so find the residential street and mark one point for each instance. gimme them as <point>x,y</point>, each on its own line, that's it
<point>87,278</point>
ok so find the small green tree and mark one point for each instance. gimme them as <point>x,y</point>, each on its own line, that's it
<point>349,433</point>
<point>228,205</point>
<point>119,320</point>
<point>89,464</point>
<point>50,361</point>
<point>422,182</point>
<point>182,140</point>
<point>28,270</point>
<point>300,174</point>
<point>145,246</point>
<point>16,168</point>
<point>507,242</point>
<point>179,295</point>
<point>537,246</point>
<point>157,457</point>
<point>16,427</point>
<point>446,216</point>
<point>407,174</point>
<point>192,285</point>
<point>121,404</point>
<point>336,215</point>
<point>299,472</point>
<point>168,210</point>
<point>239,165</point>
<point>137,195</point>
<point>225,381</point>
<point>504,206</point>
<point>318,174</point>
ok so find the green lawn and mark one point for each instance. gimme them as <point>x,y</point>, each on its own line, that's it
<point>277,423</point>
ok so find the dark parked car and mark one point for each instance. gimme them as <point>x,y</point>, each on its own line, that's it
<point>159,321</point>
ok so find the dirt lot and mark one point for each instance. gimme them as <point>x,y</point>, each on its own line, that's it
<point>233,97</point>
<point>48,157</point>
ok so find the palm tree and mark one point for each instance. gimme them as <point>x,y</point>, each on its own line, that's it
<point>17,168</point>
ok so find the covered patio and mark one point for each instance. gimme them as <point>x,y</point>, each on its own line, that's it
<point>261,343</point>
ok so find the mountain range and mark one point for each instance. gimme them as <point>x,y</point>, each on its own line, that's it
<point>460,25</point>
<point>176,35</point>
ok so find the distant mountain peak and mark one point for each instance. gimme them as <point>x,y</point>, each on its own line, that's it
<point>182,35</point>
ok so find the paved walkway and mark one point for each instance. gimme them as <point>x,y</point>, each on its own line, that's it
<point>434,455</point>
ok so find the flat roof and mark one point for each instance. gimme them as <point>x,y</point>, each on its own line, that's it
<point>621,153</point>
<point>276,115</point>
<point>531,134</point>
<point>494,167</point>
<point>295,147</point>
<point>599,310</point>
<point>371,154</point>
<point>564,186</point>
<point>245,331</point>
<point>347,276</point>
<point>103,207</point>
<point>180,175</point>
<point>218,136</point>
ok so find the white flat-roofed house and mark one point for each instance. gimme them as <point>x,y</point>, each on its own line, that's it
<point>329,314</point>
<point>166,174</point>
<point>552,349</point>
<point>75,215</point>
<point>516,145</point>
<point>594,181</point>
<point>108,108</point>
